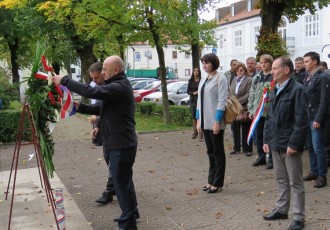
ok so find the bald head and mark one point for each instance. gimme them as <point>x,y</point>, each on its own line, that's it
<point>111,66</point>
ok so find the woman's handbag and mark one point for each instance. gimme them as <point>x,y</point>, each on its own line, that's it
<point>243,116</point>
<point>233,109</point>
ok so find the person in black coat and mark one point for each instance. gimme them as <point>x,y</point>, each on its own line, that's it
<point>116,110</point>
<point>284,134</point>
<point>318,86</point>
<point>192,90</point>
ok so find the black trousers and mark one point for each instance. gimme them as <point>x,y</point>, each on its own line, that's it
<point>236,128</point>
<point>121,161</point>
<point>217,158</point>
<point>260,140</point>
<point>110,188</point>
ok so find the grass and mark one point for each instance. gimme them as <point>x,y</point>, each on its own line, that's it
<point>146,123</point>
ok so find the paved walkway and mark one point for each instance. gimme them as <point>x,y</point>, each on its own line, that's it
<point>169,172</point>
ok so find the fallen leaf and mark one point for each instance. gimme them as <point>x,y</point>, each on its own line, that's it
<point>167,207</point>
<point>78,193</point>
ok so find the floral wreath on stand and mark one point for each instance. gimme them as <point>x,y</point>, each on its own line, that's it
<point>45,100</point>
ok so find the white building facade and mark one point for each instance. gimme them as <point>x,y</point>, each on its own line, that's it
<point>236,34</point>
<point>239,26</point>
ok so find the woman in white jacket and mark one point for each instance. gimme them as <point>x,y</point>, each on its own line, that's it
<point>212,91</point>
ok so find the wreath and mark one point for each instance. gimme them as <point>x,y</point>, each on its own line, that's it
<point>44,98</point>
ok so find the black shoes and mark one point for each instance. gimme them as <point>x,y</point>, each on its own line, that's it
<point>320,182</point>
<point>105,198</point>
<point>205,188</point>
<point>269,164</point>
<point>296,225</point>
<point>234,152</point>
<point>248,154</point>
<point>259,161</point>
<point>310,176</point>
<point>275,215</point>
<point>137,216</point>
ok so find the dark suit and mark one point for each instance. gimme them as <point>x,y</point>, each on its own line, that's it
<point>242,95</point>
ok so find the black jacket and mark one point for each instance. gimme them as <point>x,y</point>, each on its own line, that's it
<point>287,120</point>
<point>299,77</point>
<point>318,93</point>
<point>116,109</point>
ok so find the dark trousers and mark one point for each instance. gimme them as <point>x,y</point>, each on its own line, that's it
<point>236,128</point>
<point>260,140</point>
<point>110,189</point>
<point>121,161</point>
<point>217,158</point>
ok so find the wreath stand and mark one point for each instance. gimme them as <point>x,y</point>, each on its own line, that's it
<point>42,172</point>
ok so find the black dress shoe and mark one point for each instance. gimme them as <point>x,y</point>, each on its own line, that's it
<point>105,198</point>
<point>248,154</point>
<point>259,161</point>
<point>296,225</point>
<point>269,165</point>
<point>275,215</point>
<point>234,152</point>
<point>137,216</point>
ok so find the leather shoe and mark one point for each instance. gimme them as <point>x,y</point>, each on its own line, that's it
<point>105,198</point>
<point>137,216</point>
<point>275,215</point>
<point>259,161</point>
<point>269,165</point>
<point>310,176</point>
<point>296,225</point>
<point>234,152</point>
<point>248,154</point>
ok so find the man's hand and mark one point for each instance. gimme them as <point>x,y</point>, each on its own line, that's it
<point>92,119</point>
<point>76,104</point>
<point>290,151</point>
<point>316,125</point>
<point>266,148</point>
<point>57,79</point>
<point>95,131</point>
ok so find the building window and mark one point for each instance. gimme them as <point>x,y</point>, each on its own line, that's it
<point>282,28</point>
<point>187,72</point>
<point>256,33</point>
<point>221,41</point>
<point>249,5</point>
<point>312,25</point>
<point>238,38</point>
<point>232,10</point>
<point>186,54</point>
<point>174,54</point>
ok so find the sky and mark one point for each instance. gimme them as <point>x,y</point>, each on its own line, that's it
<point>210,15</point>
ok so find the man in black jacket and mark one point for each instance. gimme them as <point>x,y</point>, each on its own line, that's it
<point>318,88</point>
<point>116,110</point>
<point>284,134</point>
<point>299,73</point>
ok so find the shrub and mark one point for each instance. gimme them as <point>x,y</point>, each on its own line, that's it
<point>8,91</point>
<point>181,115</point>
<point>9,122</point>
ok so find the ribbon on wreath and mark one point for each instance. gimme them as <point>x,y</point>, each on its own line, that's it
<point>68,109</point>
<point>257,116</point>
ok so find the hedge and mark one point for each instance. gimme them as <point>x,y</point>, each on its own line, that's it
<point>180,115</point>
<point>9,122</point>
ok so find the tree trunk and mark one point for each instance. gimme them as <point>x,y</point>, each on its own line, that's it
<point>87,59</point>
<point>195,37</point>
<point>13,47</point>
<point>161,59</point>
<point>120,39</point>
<point>271,13</point>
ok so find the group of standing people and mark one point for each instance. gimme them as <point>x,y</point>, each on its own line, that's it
<point>298,103</point>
